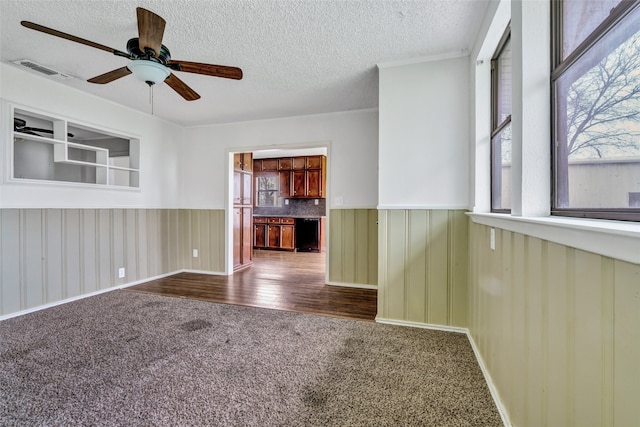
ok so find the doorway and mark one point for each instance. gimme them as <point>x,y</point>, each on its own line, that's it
<point>284,194</point>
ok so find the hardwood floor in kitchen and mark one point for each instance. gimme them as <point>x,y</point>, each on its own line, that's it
<point>291,281</point>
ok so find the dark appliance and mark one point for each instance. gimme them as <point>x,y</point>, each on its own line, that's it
<point>308,234</point>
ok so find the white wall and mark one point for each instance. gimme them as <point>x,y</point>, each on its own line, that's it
<point>159,147</point>
<point>352,162</point>
<point>424,134</point>
<point>495,22</point>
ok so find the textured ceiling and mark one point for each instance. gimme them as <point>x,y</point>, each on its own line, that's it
<point>298,57</point>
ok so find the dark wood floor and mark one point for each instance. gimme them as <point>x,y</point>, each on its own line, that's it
<point>277,280</point>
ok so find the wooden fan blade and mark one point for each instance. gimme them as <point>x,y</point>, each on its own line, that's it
<point>207,69</point>
<point>110,76</point>
<point>150,30</point>
<point>181,87</point>
<point>60,34</point>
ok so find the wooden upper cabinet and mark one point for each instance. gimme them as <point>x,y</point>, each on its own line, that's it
<point>314,162</point>
<point>237,161</point>
<point>247,162</point>
<point>314,183</point>
<point>299,163</point>
<point>285,164</point>
<point>285,183</point>
<point>237,188</point>
<point>302,176</point>
<point>298,184</point>
<point>247,188</point>
<point>269,164</point>
<point>243,161</point>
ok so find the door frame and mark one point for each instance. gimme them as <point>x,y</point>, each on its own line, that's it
<point>229,152</point>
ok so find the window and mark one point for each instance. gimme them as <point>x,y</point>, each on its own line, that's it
<point>267,189</point>
<point>596,97</point>
<point>501,126</point>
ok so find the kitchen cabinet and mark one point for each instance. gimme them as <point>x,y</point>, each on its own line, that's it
<point>285,183</point>
<point>308,183</point>
<point>287,237</point>
<point>242,210</point>
<point>314,162</point>
<point>274,233</point>
<point>265,165</point>
<point>243,162</point>
<point>298,177</point>
<point>274,236</point>
<point>260,232</point>
<point>285,164</point>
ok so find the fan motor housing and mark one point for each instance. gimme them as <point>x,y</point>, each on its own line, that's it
<point>133,47</point>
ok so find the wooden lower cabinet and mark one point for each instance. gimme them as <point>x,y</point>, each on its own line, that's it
<point>274,236</point>
<point>287,237</point>
<point>274,233</point>
<point>247,248</point>
<point>242,236</point>
<point>259,235</point>
<point>237,237</point>
<point>242,210</point>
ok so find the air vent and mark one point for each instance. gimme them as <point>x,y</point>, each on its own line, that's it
<point>40,68</point>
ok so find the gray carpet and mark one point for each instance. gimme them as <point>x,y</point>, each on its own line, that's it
<point>125,358</point>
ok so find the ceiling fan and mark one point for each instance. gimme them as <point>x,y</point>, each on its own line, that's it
<point>20,125</point>
<point>150,60</point>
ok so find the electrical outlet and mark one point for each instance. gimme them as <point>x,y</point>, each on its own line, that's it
<point>339,201</point>
<point>286,201</point>
<point>121,273</point>
<point>195,253</point>
<point>316,201</point>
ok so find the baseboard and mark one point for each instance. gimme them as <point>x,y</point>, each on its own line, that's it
<point>79,297</point>
<point>492,388</point>
<point>353,285</point>
<point>422,325</point>
<point>487,377</point>
<point>211,273</point>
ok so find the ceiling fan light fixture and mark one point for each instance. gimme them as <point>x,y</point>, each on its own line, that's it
<point>148,71</point>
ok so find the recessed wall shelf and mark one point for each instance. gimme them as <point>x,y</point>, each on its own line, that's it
<point>49,148</point>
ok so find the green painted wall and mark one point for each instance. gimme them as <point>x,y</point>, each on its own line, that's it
<point>422,272</point>
<point>49,255</point>
<point>353,246</point>
<point>558,329</point>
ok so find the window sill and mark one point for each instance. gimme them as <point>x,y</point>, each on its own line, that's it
<point>614,239</point>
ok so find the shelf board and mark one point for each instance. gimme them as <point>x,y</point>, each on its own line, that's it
<point>81,163</point>
<point>37,138</point>
<point>87,147</point>
<point>120,168</point>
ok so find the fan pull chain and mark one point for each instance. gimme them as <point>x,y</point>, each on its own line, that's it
<point>151,98</point>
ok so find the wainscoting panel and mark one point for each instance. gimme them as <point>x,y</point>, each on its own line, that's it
<point>202,230</point>
<point>558,330</point>
<point>423,257</point>
<point>48,255</point>
<point>353,246</point>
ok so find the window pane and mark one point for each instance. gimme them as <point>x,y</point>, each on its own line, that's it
<point>598,123</point>
<point>580,18</point>
<point>504,83</point>
<point>267,198</point>
<point>501,170</point>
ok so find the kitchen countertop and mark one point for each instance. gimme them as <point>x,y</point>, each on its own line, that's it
<point>289,216</point>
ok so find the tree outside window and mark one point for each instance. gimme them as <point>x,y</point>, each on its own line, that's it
<point>597,117</point>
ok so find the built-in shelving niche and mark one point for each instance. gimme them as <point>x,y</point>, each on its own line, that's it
<point>47,148</point>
